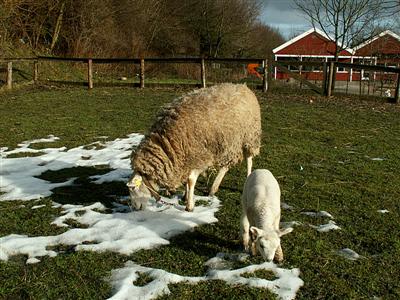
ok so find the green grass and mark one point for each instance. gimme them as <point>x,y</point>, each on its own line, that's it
<point>320,153</point>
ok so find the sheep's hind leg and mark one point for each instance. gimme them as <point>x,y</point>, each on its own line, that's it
<point>189,195</point>
<point>218,180</point>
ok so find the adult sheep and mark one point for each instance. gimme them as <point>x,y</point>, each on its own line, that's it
<point>209,127</point>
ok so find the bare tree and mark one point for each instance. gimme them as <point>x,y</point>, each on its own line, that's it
<point>392,7</point>
<point>218,24</point>
<point>344,20</point>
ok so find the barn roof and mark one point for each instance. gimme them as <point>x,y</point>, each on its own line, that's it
<point>387,42</point>
<point>312,42</point>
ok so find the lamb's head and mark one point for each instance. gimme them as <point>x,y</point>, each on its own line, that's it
<point>138,192</point>
<point>267,241</point>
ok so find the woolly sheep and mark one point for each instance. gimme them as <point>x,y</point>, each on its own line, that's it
<point>261,213</point>
<point>213,127</point>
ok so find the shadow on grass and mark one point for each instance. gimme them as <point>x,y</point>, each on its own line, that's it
<point>84,191</point>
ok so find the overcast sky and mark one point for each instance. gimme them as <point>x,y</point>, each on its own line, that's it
<point>282,14</point>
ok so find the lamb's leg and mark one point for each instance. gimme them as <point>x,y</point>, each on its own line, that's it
<point>249,160</point>
<point>244,228</point>
<point>279,254</point>
<point>189,196</point>
<point>218,180</point>
<point>253,248</point>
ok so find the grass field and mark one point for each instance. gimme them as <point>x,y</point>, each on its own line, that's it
<point>340,155</point>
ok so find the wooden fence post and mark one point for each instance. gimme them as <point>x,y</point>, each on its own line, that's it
<point>265,75</point>
<point>325,79</point>
<point>330,80</point>
<point>9,75</point>
<point>90,73</point>
<point>203,73</point>
<point>35,71</point>
<point>300,73</point>
<point>141,74</point>
<point>397,91</point>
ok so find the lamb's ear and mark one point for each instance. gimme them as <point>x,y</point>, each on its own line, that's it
<point>255,232</point>
<point>285,231</point>
<point>135,182</point>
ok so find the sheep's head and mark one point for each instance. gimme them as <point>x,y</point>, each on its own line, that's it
<point>267,241</point>
<point>138,192</point>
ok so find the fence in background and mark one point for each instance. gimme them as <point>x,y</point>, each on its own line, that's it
<point>360,79</point>
<point>200,71</point>
<point>206,68</point>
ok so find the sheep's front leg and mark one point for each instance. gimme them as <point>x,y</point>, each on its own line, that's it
<point>189,196</point>
<point>244,228</point>
<point>218,180</point>
<point>278,254</point>
<point>249,161</point>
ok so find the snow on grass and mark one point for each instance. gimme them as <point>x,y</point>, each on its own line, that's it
<point>382,211</point>
<point>349,254</point>
<point>285,286</point>
<point>331,225</point>
<point>318,214</point>
<point>38,206</point>
<point>18,176</point>
<point>123,231</point>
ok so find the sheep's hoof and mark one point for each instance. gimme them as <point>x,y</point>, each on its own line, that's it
<point>189,209</point>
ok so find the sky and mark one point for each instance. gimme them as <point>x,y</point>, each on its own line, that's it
<point>281,14</point>
<point>125,230</point>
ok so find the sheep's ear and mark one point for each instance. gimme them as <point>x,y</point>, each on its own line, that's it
<point>135,182</point>
<point>255,233</point>
<point>285,231</point>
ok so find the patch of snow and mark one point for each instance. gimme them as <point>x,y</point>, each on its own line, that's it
<point>38,206</point>
<point>124,233</point>
<point>383,211</point>
<point>32,260</point>
<point>331,225</point>
<point>286,206</point>
<point>18,176</point>
<point>284,286</point>
<point>289,224</point>
<point>318,214</point>
<point>377,159</point>
<point>349,254</point>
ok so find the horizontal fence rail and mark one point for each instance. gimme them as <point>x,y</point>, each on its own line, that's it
<point>136,61</point>
<point>329,70</point>
<point>326,67</point>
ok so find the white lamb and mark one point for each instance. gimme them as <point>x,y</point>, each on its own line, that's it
<point>261,215</point>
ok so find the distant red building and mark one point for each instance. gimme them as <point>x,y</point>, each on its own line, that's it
<point>315,45</point>
<point>382,49</point>
<point>312,45</point>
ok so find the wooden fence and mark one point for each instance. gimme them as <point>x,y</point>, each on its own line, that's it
<point>328,69</point>
<point>141,62</point>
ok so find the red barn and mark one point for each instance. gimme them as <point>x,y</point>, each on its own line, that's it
<point>384,46</point>
<point>312,45</point>
<point>382,49</point>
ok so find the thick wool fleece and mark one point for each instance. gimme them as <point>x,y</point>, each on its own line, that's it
<point>210,127</point>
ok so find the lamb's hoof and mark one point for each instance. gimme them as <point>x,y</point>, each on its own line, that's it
<point>189,209</point>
